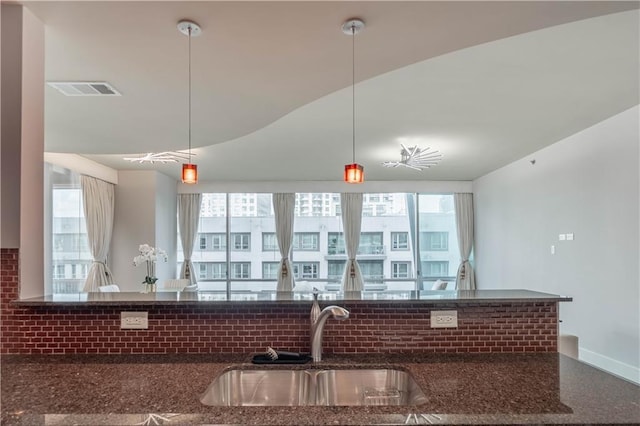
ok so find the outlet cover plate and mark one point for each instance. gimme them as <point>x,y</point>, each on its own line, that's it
<point>444,319</point>
<point>134,320</point>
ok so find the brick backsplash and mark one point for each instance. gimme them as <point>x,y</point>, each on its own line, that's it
<point>372,327</point>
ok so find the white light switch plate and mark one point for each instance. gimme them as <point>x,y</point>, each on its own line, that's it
<point>569,237</point>
<point>562,237</point>
<point>444,319</point>
<point>134,320</point>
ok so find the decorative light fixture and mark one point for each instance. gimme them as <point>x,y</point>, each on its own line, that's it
<point>159,157</point>
<point>415,158</point>
<point>189,170</point>
<point>354,172</point>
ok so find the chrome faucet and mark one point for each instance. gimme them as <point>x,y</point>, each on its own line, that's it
<point>317,328</point>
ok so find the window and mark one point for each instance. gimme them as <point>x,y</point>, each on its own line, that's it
<point>218,271</point>
<point>212,270</point>
<point>400,269</point>
<point>241,241</point>
<point>371,243</point>
<point>434,241</point>
<point>240,270</point>
<point>399,241</point>
<point>372,270</point>
<point>435,269</point>
<point>306,241</point>
<point>305,270</point>
<point>394,222</point>
<point>218,242</point>
<point>270,270</point>
<point>269,241</point>
<point>336,243</point>
<point>69,244</point>
<point>336,269</point>
<point>58,272</point>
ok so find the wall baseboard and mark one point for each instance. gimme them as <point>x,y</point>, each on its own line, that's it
<point>610,365</point>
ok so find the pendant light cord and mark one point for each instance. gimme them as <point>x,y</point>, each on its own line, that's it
<point>189,94</point>
<point>353,88</point>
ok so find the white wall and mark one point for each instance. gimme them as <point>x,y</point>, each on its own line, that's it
<point>588,185</point>
<point>23,143</point>
<point>145,213</point>
<point>166,224</point>
<point>134,224</point>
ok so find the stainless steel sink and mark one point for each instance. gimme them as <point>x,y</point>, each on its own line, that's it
<point>367,387</point>
<point>259,387</point>
<point>313,387</point>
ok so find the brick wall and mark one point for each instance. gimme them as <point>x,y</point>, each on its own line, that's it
<point>372,327</point>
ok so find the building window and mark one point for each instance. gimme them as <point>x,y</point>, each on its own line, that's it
<point>202,271</point>
<point>336,243</point>
<point>305,270</point>
<point>400,269</point>
<point>306,241</point>
<point>269,241</point>
<point>58,272</point>
<point>435,269</point>
<point>336,269</point>
<point>434,241</point>
<point>399,241</point>
<point>203,243</point>
<point>240,270</point>
<point>270,270</point>
<point>371,243</point>
<point>241,241</point>
<point>372,270</point>
<point>218,242</point>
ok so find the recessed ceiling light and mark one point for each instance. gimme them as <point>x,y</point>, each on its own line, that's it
<point>84,88</point>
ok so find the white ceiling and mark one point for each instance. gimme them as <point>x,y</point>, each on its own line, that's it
<point>485,83</point>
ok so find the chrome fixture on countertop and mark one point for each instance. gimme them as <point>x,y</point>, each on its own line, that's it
<point>318,327</point>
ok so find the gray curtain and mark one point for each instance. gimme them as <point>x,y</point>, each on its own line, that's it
<point>188,217</point>
<point>465,278</point>
<point>283,207</point>
<point>98,199</point>
<point>351,205</point>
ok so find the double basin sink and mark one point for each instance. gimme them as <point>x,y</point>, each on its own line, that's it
<point>328,387</point>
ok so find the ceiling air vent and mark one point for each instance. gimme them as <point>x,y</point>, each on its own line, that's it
<point>84,88</point>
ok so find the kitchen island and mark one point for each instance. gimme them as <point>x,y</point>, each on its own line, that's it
<point>460,389</point>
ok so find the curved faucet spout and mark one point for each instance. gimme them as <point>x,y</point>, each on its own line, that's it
<point>317,329</point>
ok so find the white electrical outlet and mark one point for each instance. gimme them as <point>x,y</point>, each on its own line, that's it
<point>569,237</point>
<point>444,319</point>
<point>134,320</point>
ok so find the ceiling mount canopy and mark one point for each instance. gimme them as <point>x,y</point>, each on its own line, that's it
<point>189,170</point>
<point>354,172</point>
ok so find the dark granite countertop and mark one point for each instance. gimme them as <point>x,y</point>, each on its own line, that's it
<point>171,298</point>
<point>460,389</point>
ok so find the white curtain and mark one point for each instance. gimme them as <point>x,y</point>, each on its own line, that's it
<point>283,205</point>
<point>188,217</point>
<point>98,199</point>
<point>351,205</point>
<point>465,279</point>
